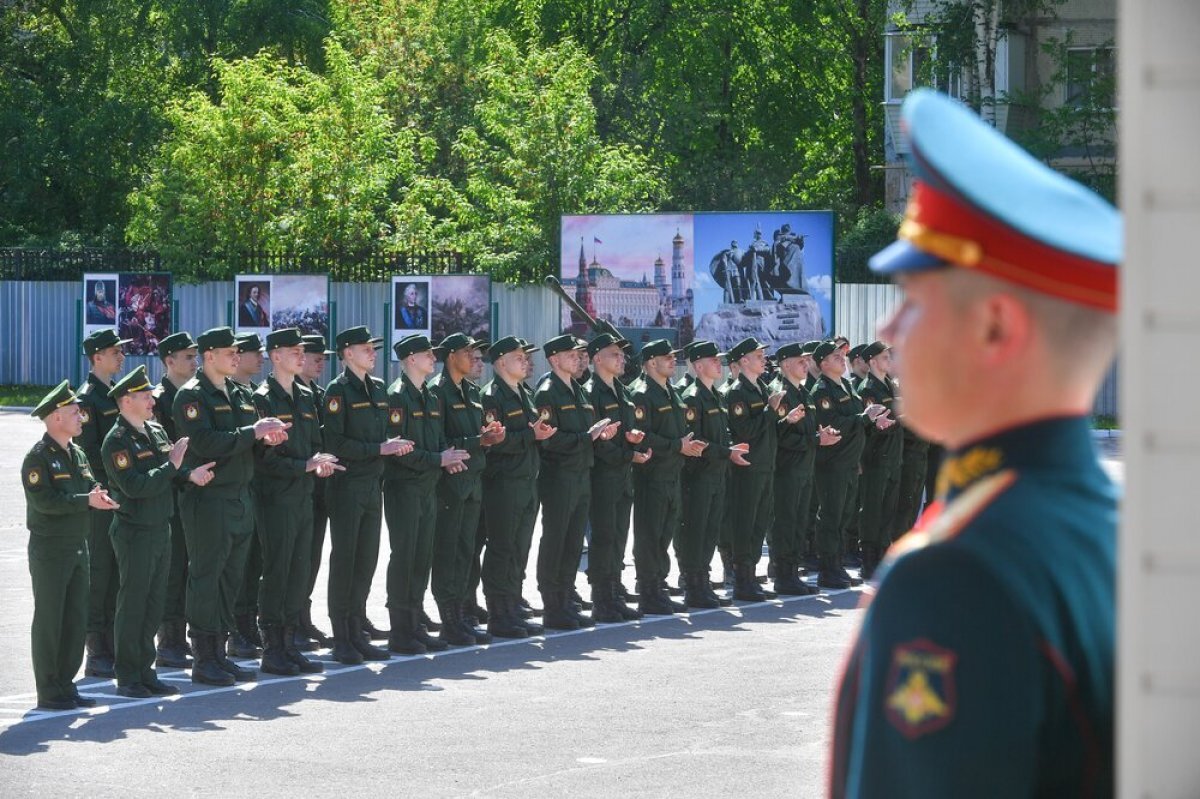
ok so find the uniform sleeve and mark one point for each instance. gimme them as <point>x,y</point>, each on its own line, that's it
<point>747,426</point>
<point>948,695</point>
<point>89,440</point>
<point>128,480</point>
<point>516,439</point>
<point>334,429</point>
<point>616,451</point>
<point>277,460</point>
<point>563,442</point>
<point>43,495</point>
<point>418,460</point>
<point>193,418</point>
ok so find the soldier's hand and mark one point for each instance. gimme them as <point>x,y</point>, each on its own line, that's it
<point>595,430</point>
<point>635,436</point>
<point>874,410</point>
<point>542,430</point>
<point>610,431</point>
<point>452,456</point>
<point>178,450</point>
<point>738,453</point>
<point>642,457</point>
<point>828,436</point>
<point>775,399</point>
<point>690,447</point>
<point>492,434</point>
<point>883,422</point>
<point>316,461</point>
<point>202,475</point>
<point>795,414</point>
<point>396,446</point>
<point>269,424</point>
<point>456,468</point>
<point>99,499</point>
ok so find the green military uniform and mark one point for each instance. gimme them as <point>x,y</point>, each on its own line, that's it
<point>794,464</point>
<point>752,421</point>
<point>459,496</point>
<point>510,500</point>
<point>836,468</point>
<point>245,641</point>
<point>564,487</point>
<point>880,479</point>
<point>659,411</point>
<point>218,518</point>
<point>99,414</point>
<point>308,636</point>
<point>172,644</point>
<point>411,499</point>
<point>705,485</point>
<point>56,483</point>
<point>612,495</point>
<point>914,462</point>
<point>355,424</point>
<point>142,481</point>
<point>284,513</point>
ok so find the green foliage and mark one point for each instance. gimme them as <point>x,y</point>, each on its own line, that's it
<point>870,231</point>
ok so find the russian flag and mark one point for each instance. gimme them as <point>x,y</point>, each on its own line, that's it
<point>596,240</point>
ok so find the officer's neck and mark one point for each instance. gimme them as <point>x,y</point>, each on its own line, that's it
<point>59,435</point>
<point>454,376</point>
<point>415,378</point>
<point>135,423</point>
<point>605,378</point>
<point>662,381</point>
<point>103,375</point>
<point>285,380</point>
<point>707,382</point>
<point>562,375</point>
<point>358,372</point>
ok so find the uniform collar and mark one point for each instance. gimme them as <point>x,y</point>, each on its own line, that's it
<point>750,385</point>
<point>1060,443</point>
<point>275,388</point>
<point>208,385</point>
<point>121,420</point>
<point>98,383</point>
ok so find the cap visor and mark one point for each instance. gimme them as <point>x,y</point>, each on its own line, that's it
<point>900,256</point>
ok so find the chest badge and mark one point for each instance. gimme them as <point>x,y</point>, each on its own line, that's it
<point>34,477</point>
<point>85,416</point>
<point>782,410</point>
<point>691,414</point>
<point>543,414</point>
<point>191,411</point>
<point>121,459</point>
<point>397,415</point>
<point>921,692</point>
<point>639,413</point>
<point>739,409</point>
<point>333,405</point>
<point>825,403</point>
<point>489,417</point>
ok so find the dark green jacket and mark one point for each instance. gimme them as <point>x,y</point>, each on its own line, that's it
<point>752,421</point>
<point>164,406</point>
<point>567,408</point>
<point>798,443</point>
<point>843,411</point>
<point>140,475</point>
<point>462,420</point>
<point>415,414</point>
<point>708,420</point>
<point>516,457</point>
<point>220,428</point>
<point>355,423</point>
<point>660,412</point>
<point>55,483</point>
<point>99,414</point>
<point>883,447</point>
<point>614,458</point>
<point>283,469</point>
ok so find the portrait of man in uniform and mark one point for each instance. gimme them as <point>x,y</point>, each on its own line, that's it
<point>412,306</point>
<point>101,308</point>
<point>253,300</point>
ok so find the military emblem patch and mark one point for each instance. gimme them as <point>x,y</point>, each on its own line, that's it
<point>33,477</point>
<point>489,417</point>
<point>639,412</point>
<point>397,416</point>
<point>921,696</point>
<point>121,459</point>
<point>691,414</point>
<point>84,416</point>
<point>739,408</point>
<point>782,409</point>
<point>333,405</point>
<point>825,403</point>
<point>544,413</point>
<point>191,411</point>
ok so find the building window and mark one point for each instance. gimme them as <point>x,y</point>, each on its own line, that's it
<point>1091,77</point>
<point>912,61</point>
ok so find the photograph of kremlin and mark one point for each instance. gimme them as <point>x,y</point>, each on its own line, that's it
<point>716,276</point>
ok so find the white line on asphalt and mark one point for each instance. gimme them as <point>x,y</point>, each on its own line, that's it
<point>126,703</point>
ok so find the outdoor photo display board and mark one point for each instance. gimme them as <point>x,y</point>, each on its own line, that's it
<point>137,305</point>
<point>717,276</point>
<point>439,305</point>
<point>273,302</point>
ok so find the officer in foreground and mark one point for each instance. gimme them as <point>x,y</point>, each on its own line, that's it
<point>60,492</point>
<point>985,662</point>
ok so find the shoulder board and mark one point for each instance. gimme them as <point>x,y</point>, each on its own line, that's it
<point>190,385</point>
<point>262,390</point>
<point>118,430</point>
<point>157,391</point>
<point>543,385</point>
<point>305,390</point>
<point>375,380</point>
<point>39,447</point>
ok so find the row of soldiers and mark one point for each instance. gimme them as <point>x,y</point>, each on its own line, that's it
<point>202,501</point>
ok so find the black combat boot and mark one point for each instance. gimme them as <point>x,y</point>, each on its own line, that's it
<point>274,658</point>
<point>696,591</point>
<point>239,674</point>
<point>242,641</point>
<point>745,586</point>
<point>621,602</point>
<point>467,621</point>
<point>472,611</point>
<point>527,610</point>
<point>652,600</point>
<point>721,601</point>
<point>343,650</point>
<point>870,559</point>
<point>428,623</point>
<point>503,622</point>
<point>573,608</point>
<point>579,601</point>
<point>516,613</point>
<point>206,670</point>
<point>297,657</point>
<point>627,596</point>
<point>360,640</point>
<point>309,637</point>
<point>99,662</point>
<point>372,632</point>
<point>172,648</point>
<point>604,607</point>
<point>841,566</point>
<point>665,593</point>
<point>788,582</point>
<point>454,631</point>
<point>159,688</point>
<point>831,575</point>
<point>555,616</point>
<point>421,632</point>
<point>402,641</point>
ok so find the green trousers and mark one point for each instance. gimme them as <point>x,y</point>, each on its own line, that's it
<point>102,593</point>
<point>612,501</point>
<point>475,573</point>
<point>566,498</point>
<point>60,575</point>
<point>793,495</point>
<point>174,603</point>
<point>355,517</point>
<point>454,538</point>
<point>879,487</point>
<point>284,533</point>
<point>656,513</point>
<point>850,507</point>
<point>218,530</point>
<point>411,507</point>
<point>510,512</point>
<point>143,561</point>
<point>833,487</point>
<point>910,491</point>
<point>252,571</point>
<point>320,517</point>
<point>750,513</point>
<point>703,506</point>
